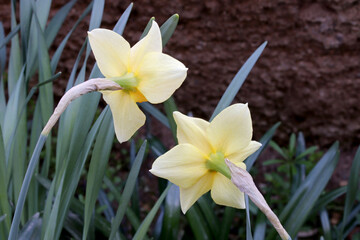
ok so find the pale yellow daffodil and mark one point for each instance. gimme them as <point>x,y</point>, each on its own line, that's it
<point>197,164</point>
<point>143,71</point>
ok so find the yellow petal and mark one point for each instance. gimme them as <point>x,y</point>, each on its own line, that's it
<point>127,116</point>
<point>188,196</point>
<point>224,192</point>
<point>159,76</point>
<point>231,130</point>
<point>152,42</point>
<point>183,165</point>
<point>193,131</point>
<point>111,52</point>
<point>241,155</point>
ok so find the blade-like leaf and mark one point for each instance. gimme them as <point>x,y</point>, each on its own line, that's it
<point>248,222</point>
<point>128,190</point>
<point>56,22</point>
<point>264,140</point>
<point>97,167</point>
<point>325,223</point>
<point>171,219</point>
<point>141,232</point>
<point>297,210</point>
<point>238,81</point>
<point>352,188</point>
<point>168,28</point>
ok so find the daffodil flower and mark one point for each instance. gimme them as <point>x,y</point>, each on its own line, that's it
<point>143,71</point>
<point>197,163</point>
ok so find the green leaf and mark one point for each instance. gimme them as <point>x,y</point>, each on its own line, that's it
<point>170,107</point>
<point>5,211</point>
<point>260,227</point>
<point>205,204</point>
<point>147,28</point>
<point>248,222</point>
<point>325,223</point>
<point>56,22</point>
<point>237,81</point>
<point>298,208</point>
<point>141,232</point>
<point>129,187</point>
<point>168,28</point>
<point>32,229</point>
<point>292,144</point>
<point>96,14</point>
<point>327,198</point>
<point>155,113</point>
<point>352,188</point>
<point>278,149</point>
<point>171,219</point>
<point>264,140</point>
<point>197,223</point>
<point>98,164</point>
<point>120,25</point>
<point>56,57</point>
<point>308,151</point>
<point>226,222</point>
<point>24,188</point>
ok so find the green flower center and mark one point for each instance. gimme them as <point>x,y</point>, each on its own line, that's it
<point>216,162</point>
<point>128,81</point>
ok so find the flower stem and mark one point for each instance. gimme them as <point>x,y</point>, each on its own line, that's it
<point>243,180</point>
<point>88,86</point>
<point>91,85</point>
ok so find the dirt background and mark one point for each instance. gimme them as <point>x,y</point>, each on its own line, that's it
<point>308,77</point>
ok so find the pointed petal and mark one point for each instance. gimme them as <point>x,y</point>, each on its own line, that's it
<point>127,116</point>
<point>240,156</point>
<point>183,165</point>
<point>152,42</point>
<point>188,196</point>
<point>193,131</point>
<point>160,75</point>
<point>224,192</point>
<point>231,130</point>
<point>111,52</point>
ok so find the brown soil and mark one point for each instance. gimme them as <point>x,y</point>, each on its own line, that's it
<point>308,76</point>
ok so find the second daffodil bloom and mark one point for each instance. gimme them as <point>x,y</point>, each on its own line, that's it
<point>197,164</point>
<point>143,71</point>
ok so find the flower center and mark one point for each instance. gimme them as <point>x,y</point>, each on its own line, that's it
<point>127,82</point>
<point>216,162</point>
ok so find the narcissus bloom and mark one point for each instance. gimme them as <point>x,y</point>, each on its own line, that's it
<point>143,71</point>
<point>197,164</point>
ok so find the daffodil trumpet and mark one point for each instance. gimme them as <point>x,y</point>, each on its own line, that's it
<point>243,180</point>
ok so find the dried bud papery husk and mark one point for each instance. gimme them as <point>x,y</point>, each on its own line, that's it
<point>92,85</point>
<point>243,180</point>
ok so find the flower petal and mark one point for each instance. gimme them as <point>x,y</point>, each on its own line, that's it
<point>231,130</point>
<point>152,42</point>
<point>183,165</point>
<point>193,131</point>
<point>111,52</point>
<point>224,192</point>
<point>128,118</point>
<point>188,196</point>
<point>240,156</point>
<point>159,76</point>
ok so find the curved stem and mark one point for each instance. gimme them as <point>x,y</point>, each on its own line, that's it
<point>91,85</point>
<point>96,84</point>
